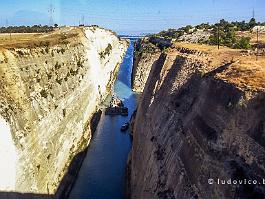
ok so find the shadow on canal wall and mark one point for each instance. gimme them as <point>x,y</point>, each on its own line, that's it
<point>68,181</point>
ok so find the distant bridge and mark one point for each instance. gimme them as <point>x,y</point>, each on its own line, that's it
<point>131,36</point>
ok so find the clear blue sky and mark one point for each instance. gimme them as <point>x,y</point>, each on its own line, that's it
<point>129,16</point>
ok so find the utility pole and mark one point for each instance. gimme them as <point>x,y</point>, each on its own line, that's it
<point>218,36</point>
<point>257,53</point>
<point>10,37</point>
<point>51,11</point>
<point>83,20</point>
<point>257,35</point>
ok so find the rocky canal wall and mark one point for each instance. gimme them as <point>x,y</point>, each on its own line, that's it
<point>201,116</point>
<point>50,87</point>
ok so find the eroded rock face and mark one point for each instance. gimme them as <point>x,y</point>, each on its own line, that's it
<point>144,57</point>
<point>48,94</point>
<point>196,122</point>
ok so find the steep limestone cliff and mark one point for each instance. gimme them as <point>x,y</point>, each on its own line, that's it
<point>50,87</point>
<point>144,56</point>
<point>201,116</point>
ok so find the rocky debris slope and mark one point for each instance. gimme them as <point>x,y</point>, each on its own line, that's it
<point>260,29</point>
<point>201,116</point>
<point>199,36</point>
<point>50,86</point>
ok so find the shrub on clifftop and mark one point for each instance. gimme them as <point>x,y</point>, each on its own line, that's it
<point>223,32</point>
<point>26,29</point>
<point>243,43</point>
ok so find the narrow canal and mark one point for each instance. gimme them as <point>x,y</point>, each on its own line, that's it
<point>102,174</point>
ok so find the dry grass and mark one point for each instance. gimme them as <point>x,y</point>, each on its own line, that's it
<point>247,75</point>
<point>247,71</point>
<point>199,47</point>
<point>253,36</point>
<point>6,39</point>
<point>31,40</point>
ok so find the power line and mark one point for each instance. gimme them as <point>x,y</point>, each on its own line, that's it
<point>139,15</point>
<point>167,12</point>
<point>149,16</point>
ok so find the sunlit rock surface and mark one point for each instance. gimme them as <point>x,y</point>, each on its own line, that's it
<point>8,157</point>
<point>50,87</point>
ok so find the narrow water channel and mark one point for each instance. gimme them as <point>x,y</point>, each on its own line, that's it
<point>102,174</point>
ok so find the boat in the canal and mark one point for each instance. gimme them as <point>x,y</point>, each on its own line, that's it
<point>125,126</point>
<point>116,107</point>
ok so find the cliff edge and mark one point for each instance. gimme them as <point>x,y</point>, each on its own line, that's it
<point>50,86</point>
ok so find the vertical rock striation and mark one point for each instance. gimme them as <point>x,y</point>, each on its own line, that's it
<point>144,56</point>
<point>201,116</point>
<point>50,87</point>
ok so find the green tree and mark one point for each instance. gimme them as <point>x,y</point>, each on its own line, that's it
<point>226,33</point>
<point>187,28</point>
<point>252,23</point>
<point>243,43</point>
<point>229,37</point>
